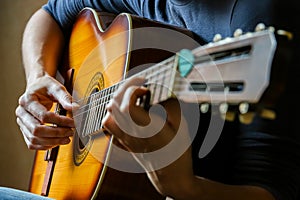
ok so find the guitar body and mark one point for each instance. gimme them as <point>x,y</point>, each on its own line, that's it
<point>100,56</point>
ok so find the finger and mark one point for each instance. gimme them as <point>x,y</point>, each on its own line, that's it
<point>134,81</point>
<point>40,112</point>
<point>48,87</point>
<point>41,130</point>
<point>36,146</point>
<point>133,119</point>
<point>63,97</point>
<point>109,125</point>
<point>129,105</point>
<point>138,143</point>
<point>40,143</point>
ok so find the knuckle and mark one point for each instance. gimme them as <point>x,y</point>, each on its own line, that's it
<point>18,111</point>
<point>58,132</point>
<point>36,131</point>
<point>105,122</point>
<point>43,116</point>
<point>31,146</point>
<point>22,100</point>
<point>18,121</point>
<point>58,88</point>
<point>33,140</point>
<point>124,108</point>
<point>66,96</point>
<point>116,95</point>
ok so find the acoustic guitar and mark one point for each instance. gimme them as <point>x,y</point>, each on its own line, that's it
<point>103,51</point>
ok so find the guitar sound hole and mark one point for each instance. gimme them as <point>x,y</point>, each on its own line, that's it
<point>83,142</point>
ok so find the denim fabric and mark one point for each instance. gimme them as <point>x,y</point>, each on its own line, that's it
<point>14,194</point>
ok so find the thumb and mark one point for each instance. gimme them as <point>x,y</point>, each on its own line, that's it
<point>63,97</point>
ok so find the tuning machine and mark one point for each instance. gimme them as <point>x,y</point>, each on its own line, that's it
<point>227,112</point>
<point>244,111</point>
<point>217,38</point>
<point>260,27</point>
<point>238,32</point>
<point>205,108</point>
<point>267,114</point>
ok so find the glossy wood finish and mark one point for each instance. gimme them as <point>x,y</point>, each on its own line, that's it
<point>69,180</point>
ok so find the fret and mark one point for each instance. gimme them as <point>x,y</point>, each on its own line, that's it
<point>99,111</point>
<point>166,89</point>
<point>91,115</point>
<point>160,81</point>
<point>154,88</point>
<point>94,114</point>
<point>86,123</point>
<point>159,84</point>
<point>102,106</point>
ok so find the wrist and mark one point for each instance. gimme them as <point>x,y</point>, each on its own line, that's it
<point>32,77</point>
<point>189,190</point>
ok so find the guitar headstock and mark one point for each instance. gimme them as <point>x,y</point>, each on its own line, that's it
<point>231,73</point>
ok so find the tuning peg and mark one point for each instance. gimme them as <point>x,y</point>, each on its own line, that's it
<point>247,118</point>
<point>287,34</point>
<point>217,37</point>
<point>268,114</point>
<point>260,27</point>
<point>223,108</point>
<point>244,108</point>
<point>238,32</point>
<point>204,108</point>
<point>271,28</point>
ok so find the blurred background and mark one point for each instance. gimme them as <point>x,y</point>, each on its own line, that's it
<point>15,159</point>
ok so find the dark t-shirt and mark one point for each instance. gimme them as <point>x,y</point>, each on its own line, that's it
<point>265,153</point>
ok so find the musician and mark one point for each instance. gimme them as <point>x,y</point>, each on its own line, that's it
<point>260,160</point>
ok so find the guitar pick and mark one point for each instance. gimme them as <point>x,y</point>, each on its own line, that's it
<point>185,62</point>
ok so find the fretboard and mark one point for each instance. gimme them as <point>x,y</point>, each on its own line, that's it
<point>159,80</point>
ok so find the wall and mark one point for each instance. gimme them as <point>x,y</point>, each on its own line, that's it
<point>15,159</point>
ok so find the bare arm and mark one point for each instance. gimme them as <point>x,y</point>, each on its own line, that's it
<point>214,191</point>
<point>41,50</point>
<point>42,45</point>
<point>175,180</point>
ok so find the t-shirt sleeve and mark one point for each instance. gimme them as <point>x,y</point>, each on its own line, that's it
<point>65,11</point>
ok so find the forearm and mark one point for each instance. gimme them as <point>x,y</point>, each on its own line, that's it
<point>209,190</point>
<point>42,45</point>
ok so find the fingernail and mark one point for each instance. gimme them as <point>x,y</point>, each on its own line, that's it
<point>65,141</point>
<point>75,105</point>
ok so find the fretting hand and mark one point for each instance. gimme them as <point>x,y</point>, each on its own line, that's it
<point>137,130</point>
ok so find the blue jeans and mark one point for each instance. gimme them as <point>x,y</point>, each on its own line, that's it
<point>14,194</point>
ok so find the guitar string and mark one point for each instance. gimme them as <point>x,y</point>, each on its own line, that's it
<point>165,63</point>
<point>97,112</point>
<point>100,93</point>
<point>91,126</point>
<point>109,95</point>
